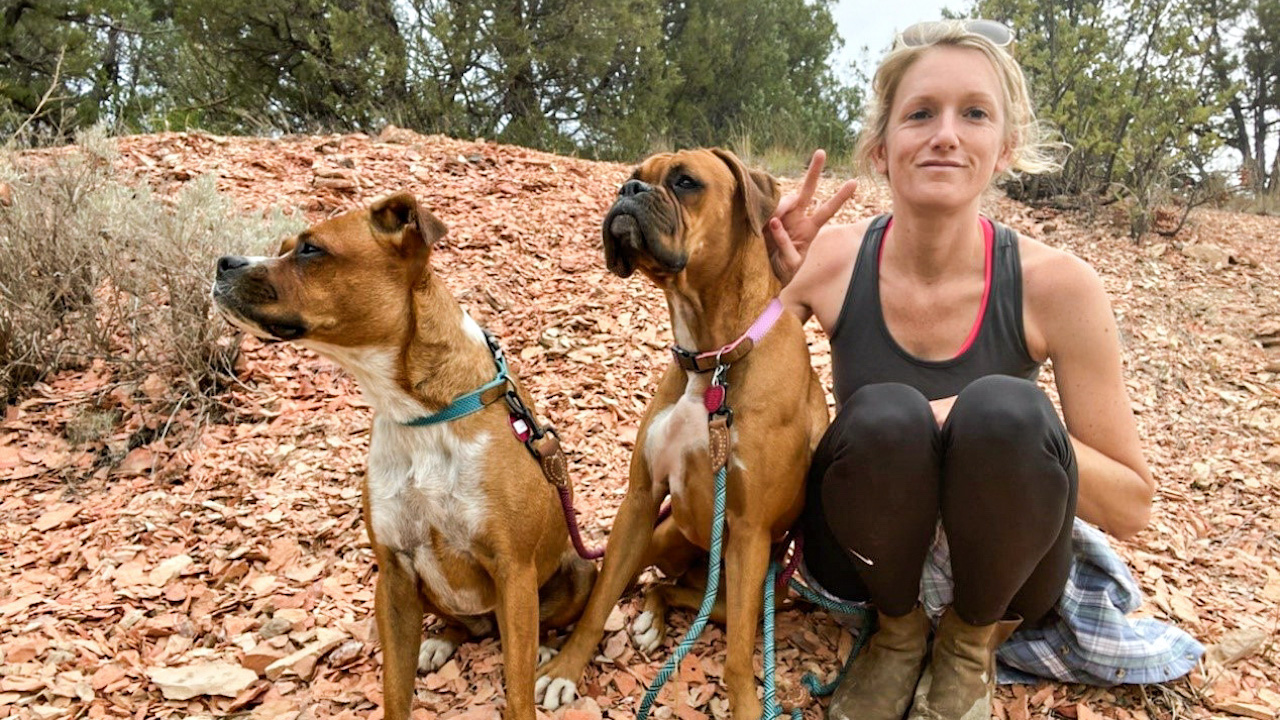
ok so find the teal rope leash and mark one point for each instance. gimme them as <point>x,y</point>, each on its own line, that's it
<point>771,707</point>
<point>865,615</point>
<point>708,600</point>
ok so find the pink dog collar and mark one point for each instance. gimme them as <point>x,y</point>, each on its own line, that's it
<point>734,351</point>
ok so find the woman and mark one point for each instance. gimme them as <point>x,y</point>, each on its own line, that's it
<point>939,321</point>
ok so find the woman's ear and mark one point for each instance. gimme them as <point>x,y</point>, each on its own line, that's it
<point>880,159</point>
<point>1006,154</point>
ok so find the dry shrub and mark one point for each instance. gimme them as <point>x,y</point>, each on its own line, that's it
<point>50,260</point>
<point>95,267</point>
<point>1258,203</point>
<point>171,252</point>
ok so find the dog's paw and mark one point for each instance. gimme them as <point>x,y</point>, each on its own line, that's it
<point>554,693</point>
<point>645,632</point>
<point>545,654</point>
<point>433,653</point>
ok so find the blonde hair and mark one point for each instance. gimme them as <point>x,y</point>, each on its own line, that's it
<point>1033,146</point>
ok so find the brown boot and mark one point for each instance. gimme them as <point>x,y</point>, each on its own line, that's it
<point>879,682</point>
<point>961,675</point>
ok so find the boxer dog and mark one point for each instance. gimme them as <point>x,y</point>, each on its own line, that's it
<point>462,521</point>
<point>692,222</point>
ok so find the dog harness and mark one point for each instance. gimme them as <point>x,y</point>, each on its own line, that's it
<point>543,442</point>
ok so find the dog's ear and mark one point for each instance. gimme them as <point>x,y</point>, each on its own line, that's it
<point>757,190</point>
<point>401,213</point>
<point>287,245</point>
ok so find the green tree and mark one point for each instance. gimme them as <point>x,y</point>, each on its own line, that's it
<point>611,79</point>
<point>1243,40</point>
<point>607,79</point>
<point>555,74</point>
<point>759,67</point>
<point>290,65</point>
<point>1119,79</point>
<point>68,64</point>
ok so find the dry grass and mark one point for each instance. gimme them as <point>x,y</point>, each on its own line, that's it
<point>782,152</point>
<point>1259,204</point>
<point>94,267</point>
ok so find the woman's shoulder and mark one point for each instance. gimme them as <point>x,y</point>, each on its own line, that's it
<point>1060,292</point>
<point>833,247</point>
<point>835,250</point>
<point>1051,274</point>
<point>844,237</point>
<point>819,286</point>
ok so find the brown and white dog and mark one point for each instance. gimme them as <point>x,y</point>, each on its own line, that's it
<point>463,524</point>
<point>692,222</point>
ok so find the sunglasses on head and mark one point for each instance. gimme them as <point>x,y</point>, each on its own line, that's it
<point>925,33</point>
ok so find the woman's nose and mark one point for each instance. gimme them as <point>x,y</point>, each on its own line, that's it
<point>946,132</point>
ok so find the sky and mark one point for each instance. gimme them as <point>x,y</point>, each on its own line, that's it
<point>873,24</point>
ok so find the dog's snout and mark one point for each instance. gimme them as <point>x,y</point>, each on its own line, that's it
<point>624,230</point>
<point>634,187</point>
<point>227,263</point>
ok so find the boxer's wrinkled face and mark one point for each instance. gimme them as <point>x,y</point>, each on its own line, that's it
<point>678,208</point>
<point>347,281</point>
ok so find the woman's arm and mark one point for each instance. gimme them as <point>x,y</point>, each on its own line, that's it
<point>1073,317</point>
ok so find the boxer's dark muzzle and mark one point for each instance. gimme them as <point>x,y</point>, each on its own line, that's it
<point>640,230</point>
<point>241,289</point>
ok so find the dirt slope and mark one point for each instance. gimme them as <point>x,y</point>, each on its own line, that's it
<point>244,543</point>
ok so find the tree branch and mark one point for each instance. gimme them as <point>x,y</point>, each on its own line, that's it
<point>53,85</point>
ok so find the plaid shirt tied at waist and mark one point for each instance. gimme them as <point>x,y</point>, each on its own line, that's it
<point>1088,637</point>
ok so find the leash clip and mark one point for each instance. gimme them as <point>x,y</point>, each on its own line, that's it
<point>717,377</point>
<point>523,424</point>
<point>716,396</point>
<point>495,348</point>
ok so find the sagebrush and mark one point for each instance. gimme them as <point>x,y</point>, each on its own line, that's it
<point>96,267</point>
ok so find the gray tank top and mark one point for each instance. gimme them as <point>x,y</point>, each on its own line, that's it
<point>863,352</point>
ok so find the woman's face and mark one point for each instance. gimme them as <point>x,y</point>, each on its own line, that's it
<point>945,137</point>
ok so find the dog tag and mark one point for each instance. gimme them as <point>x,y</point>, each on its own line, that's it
<point>718,435</point>
<point>713,398</point>
<point>519,427</point>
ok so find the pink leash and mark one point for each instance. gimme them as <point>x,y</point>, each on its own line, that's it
<point>797,551</point>
<point>571,519</point>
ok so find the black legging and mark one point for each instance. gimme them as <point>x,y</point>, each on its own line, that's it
<point>1000,473</point>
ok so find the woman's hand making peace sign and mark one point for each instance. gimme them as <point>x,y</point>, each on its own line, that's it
<point>792,228</point>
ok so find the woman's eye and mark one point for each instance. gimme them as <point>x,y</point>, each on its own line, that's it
<point>306,248</point>
<point>684,182</point>
<point>918,115</point>
<point>978,113</point>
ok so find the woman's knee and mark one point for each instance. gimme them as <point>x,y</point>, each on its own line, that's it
<point>883,445</point>
<point>884,416</point>
<point>1004,432</point>
<point>1003,411</point>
